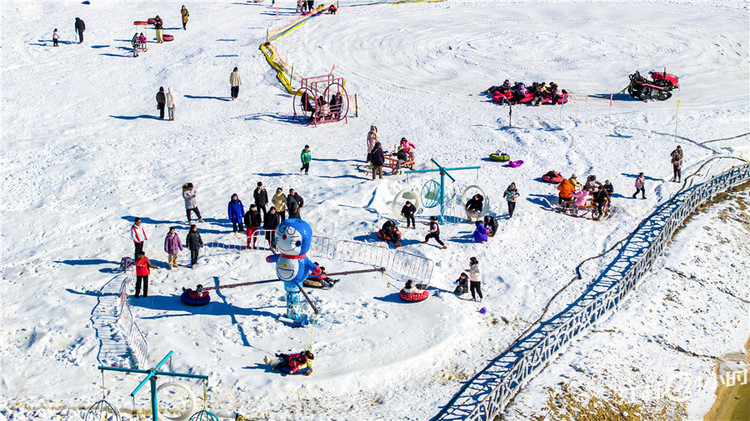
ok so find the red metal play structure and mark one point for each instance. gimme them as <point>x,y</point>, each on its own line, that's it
<point>321,99</point>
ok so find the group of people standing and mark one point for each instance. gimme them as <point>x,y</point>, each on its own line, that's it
<point>376,157</point>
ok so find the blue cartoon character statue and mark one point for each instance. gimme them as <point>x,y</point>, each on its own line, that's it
<point>293,239</point>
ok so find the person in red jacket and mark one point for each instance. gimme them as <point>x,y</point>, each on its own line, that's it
<point>143,268</point>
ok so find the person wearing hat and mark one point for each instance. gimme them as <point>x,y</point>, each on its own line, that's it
<point>574,181</point>
<point>408,212</point>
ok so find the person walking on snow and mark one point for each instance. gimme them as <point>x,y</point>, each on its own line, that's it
<point>143,268</point>
<point>185,15</point>
<point>172,246</point>
<point>279,202</point>
<point>305,156</point>
<point>189,193</point>
<point>475,276</point>
<point>236,211</point>
<point>677,164</point>
<point>80,27</point>
<point>194,242</point>
<point>511,194</point>
<point>434,232</point>
<point>640,186</point>
<point>161,100</point>
<point>55,38</point>
<point>159,26</point>
<point>170,103</point>
<point>294,203</point>
<point>235,80</point>
<point>138,234</point>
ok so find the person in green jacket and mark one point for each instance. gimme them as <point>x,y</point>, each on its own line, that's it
<point>305,157</point>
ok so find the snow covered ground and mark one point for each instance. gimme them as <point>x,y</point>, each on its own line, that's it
<point>83,154</point>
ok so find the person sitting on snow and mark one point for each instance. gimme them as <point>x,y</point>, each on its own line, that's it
<point>540,93</point>
<point>462,284</point>
<point>390,232</point>
<point>196,294</point>
<point>300,363</point>
<point>566,188</point>
<point>401,157</point>
<point>519,92</point>
<point>480,233</point>
<point>491,224</point>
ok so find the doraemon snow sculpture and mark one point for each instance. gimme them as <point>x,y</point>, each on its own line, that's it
<point>293,239</point>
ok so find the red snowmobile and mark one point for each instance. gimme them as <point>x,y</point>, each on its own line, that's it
<point>659,87</point>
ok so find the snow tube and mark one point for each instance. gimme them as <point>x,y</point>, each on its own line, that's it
<point>151,21</point>
<point>527,99</point>
<point>187,299</point>
<point>167,38</point>
<point>315,283</point>
<point>515,164</point>
<point>140,22</point>
<point>499,157</point>
<point>288,370</point>
<point>501,96</point>
<point>668,77</point>
<point>553,177</point>
<point>413,298</point>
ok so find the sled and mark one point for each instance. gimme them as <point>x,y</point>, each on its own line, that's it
<point>499,157</point>
<point>515,164</point>
<point>167,38</point>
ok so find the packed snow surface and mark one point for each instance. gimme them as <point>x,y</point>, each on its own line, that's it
<point>84,153</point>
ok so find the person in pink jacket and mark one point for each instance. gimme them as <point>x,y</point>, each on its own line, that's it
<point>172,246</point>
<point>408,146</point>
<point>640,186</point>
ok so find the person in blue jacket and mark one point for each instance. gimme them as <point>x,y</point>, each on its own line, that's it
<point>236,212</point>
<point>480,233</point>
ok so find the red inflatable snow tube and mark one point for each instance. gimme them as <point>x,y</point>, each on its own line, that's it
<point>656,76</point>
<point>151,21</point>
<point>550,178</point>
<point>140,22</point>
<point>413,298</point>
<point>195,299</point>
<point>167,38</point>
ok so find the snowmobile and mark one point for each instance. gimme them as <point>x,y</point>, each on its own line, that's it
<point>658,88</point>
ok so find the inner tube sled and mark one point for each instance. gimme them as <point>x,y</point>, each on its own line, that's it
<point>193,298</point>
<point>553,177</point>
<point>499,157</point>
<point>167,38</point>
<point>413,298</point>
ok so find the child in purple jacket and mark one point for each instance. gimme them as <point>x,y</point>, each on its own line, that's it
<point>172,245</point>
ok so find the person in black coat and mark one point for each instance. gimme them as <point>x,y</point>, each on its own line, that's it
<point>80,27</point>
<point>293,204</point>
<point>408,211</point>
<point>377,159</point>
<point>161,100</point>
<point>272,220</point>
<point>261,197</point>
<point>194,242</point>
<point>474,207</point>
<point>491,224</point>
<point>252,222</point>
<point>601,199</point>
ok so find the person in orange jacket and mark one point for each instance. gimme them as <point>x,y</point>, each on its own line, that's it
<point>566,191</point>
<point>142,270</point>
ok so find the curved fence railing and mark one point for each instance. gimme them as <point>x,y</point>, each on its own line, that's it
<point>488,393</point>
<point>135,339</point>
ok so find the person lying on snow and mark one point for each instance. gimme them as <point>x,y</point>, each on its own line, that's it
<point>321,280</point>
<point>300,363</point>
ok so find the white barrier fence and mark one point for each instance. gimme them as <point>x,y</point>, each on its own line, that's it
<point>398,263</point>
<point>135,339</point>
<point>486,395</point>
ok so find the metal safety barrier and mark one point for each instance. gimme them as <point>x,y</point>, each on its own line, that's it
<point>489,392</point>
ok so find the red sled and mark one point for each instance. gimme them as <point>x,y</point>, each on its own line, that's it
<point>151,21</point>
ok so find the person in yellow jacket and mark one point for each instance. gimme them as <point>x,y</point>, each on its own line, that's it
<point>279,202</point>
<point>235,80</point>
<point>185,15</point>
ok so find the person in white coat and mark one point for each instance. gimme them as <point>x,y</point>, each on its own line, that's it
<point>475,276</point>
<point>188,193</point>
<point>170,103</point>
<point>235,80</point>
<point>138,235</point>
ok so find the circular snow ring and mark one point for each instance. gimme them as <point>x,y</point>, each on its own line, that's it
<point>499,157</point>
<point>167,38</point>
<point>187,299</point>
<point>185,415</point>
<point>413,298</point>
<point>406,194</point>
